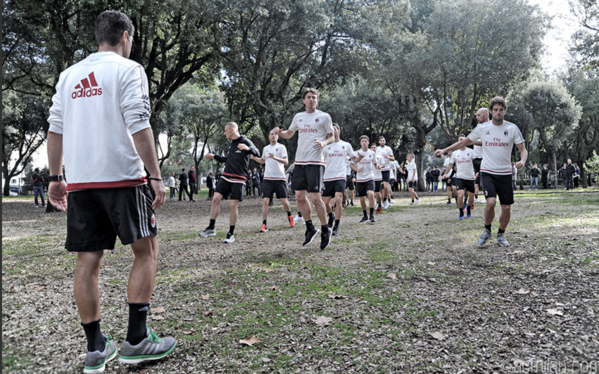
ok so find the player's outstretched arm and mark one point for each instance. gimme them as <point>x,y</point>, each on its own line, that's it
<point>457,145</point>
<point>285,134</point>
<point>259,160</point>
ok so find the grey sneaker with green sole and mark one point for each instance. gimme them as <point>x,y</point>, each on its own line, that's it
<point>95,362</point>
<point>502,241</point>
<point>151,348</point>
<point>486,235</point>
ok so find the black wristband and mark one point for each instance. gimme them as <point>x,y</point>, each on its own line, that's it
<point>155,179</point>
<point>55,178</point>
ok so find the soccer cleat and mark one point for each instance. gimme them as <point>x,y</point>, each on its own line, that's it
<point>364,219</point>
<point>298,218</point>
<point>468,215</point>
<point>291,221</point>
<point>95,362</point>
<point>392,201</point>
<point>325,238</point>
<point>417,201</point>
<point>378,209</point>
<point>486,235</point>
<point>208,232</point>
<point>151,348</point>
<point>230,238</point>
<point>352,203</point>
<point>310,235</point>
<point>331,220</point>
<point>385,205</point>
<point>502,241</point>
<point>263,228</point>
<point>371,220</point>
<point>335,230</point>
<point>461,218</point>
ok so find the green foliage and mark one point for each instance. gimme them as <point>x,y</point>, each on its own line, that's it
<point>592,166</point>
<point>586,40</point>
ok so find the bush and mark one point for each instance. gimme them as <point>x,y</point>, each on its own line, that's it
<point>592,166</point>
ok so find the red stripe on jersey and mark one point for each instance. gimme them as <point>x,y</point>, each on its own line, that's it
<point>334,179</point>
<point>235,175</point>
<point>234,180</point>
<point>101,185</point>
<point>497,172</point>
<point>310,162</point>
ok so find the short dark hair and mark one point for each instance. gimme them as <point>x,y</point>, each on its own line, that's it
<point>364,137</point>
<point>36,170</point>
<point>183,169</point>
<point>497,100</point>
<point>308,89</point>
<point>382,137</point>
<point>110,26</point>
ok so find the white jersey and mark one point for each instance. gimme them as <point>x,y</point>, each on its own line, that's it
<point>478,151</point>
<point>498,142</point>
<point>385,151</point>
<point>367,166</point>
<point>463,160</point>
<point>378,175</point>
<point>335,156</point>
<point>273,169</point>
<point>100,102</point>
<point>310,126</point>
<point>412,171</point>
<point>446,164</point>
<point>348,169</point>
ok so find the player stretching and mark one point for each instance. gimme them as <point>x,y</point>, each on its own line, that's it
<point>498,138</point>
<point>315,132</point>
<point>334,177</point>
<point>234,177</point>
<point>274,156</point>
<point>464,178</point>
<point>365,177</point>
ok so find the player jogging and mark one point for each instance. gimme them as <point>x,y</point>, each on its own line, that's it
<point>365,178</point>
<point>234,178</point>
<point>498,138</point>
<point>465,177</point>
<point>274,156</point>
<point>482,116</point>
<point>412,179</point>
<point>334,177</point>
<point>104,158</point>
<point>387,157</point>
<point>315,131</point>
<point>378,180</point>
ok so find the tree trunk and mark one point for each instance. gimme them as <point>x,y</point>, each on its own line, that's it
<point>554,162</point>
<point>550,152</point>
<point>6,190</point>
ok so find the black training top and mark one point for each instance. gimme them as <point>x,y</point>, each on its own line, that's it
<point>237,161</point>
<point>534,172</point>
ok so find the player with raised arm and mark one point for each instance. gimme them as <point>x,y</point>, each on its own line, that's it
<point>274,156</point>
<point>315,131</point>
<point>465,177</point>
<point>498,138</point>
<point>365,177</point>
<point>234,178</point>
<point>335,178</point>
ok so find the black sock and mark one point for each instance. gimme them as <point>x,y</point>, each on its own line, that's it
<point>449,199</point>
<point>288,214</point>
<point>95,339</point>
<point>331,215</point>
<point>309,225</point>
<point>264,221</point>
<point>324,228</point>
<point>488,227</point>
<point>500,231</point>
<point>365,214</point>
<point>232,229</point>
<point>371,211</point>
<point>336,223</point>
<point>299,214</point>
<point>137,330</point>
<point>476,196</point>
<point>468,209</point>
<point>412,200</point>
<point>212,223</point>
<point>462,212</point>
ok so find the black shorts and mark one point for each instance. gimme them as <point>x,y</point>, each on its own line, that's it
<point>362,188</point>
<point>307,178</point>
<point>331,187</point>
<point>412,184</point>
<point>96,217</point>
<point>349,182</point>
<point>271,187</point>
<point>391,181</point>
<point>454,181</point>
<point>377,186</point>
<point>465,184</point>
<point>476,162</point>
<point>499,186</point>
<point>234,191</point>
<point>386,175</point>
<point>477,180</point>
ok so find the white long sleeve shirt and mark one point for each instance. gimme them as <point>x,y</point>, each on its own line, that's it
<point>99,104</point>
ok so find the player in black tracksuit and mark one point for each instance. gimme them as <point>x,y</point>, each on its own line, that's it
<point>234,177</point>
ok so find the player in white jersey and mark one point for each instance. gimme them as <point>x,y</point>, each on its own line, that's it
<point>365,177</point>
<point>350,180</point>
<point>274,156</point>
<point>465,177</point>
<point>498,138</point>
<point>315,131</point>
<point>412,178</point>
<point>378,179</point>
<point>482,116</point>
<point>393,178</point>
<point>387,154</point>
<point>334,177</point>
<point>445,172</point>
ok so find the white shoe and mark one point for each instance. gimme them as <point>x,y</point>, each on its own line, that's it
<point>392,201</point>
<point>298,219</point>
<point>385,205</point>
<point>230,238</point>
<point>417,201</point>
<point>475,200</point>
<point>483,201</point>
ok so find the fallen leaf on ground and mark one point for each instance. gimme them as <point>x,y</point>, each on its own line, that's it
<point>522,291</point>
<point>40,288</point>
<point>250,341</point>
<point>438,335</point>
<point>186,332</point>
<point>157,318</point>
<point>555,312</point>
<point>323,321</point>
<point>158,310</point>
<point>207,313</point>
<point>392,276</point>
<point>431,263</point>
<point>272,288</point>
<point>206,297</point>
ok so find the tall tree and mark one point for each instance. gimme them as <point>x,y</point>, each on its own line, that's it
<point>586,39</point>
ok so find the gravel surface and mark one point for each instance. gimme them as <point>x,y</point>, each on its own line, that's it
<point>410,293</point>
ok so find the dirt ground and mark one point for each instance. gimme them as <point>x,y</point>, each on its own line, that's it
<point>411,293</point>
